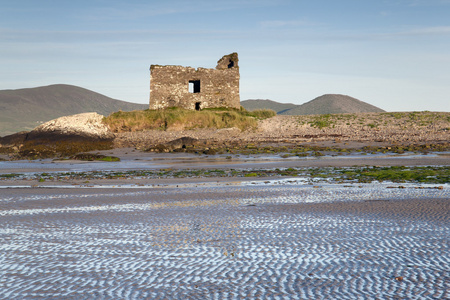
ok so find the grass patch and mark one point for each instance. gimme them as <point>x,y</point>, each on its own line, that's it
<point>181,119</point>
<point>6,150</point>
<point>376,121</point>
<point>432,175</point>
<point>262,114</point>
<point>95,157</point>
<point>301,150</point>
<point>423,148</point>
<point>251,175</point>
<point>322,121</point>
<point>12,175</point>
<point>398,174</point>
<point>31,150</point>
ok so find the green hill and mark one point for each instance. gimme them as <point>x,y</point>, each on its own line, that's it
<point>24,109</point>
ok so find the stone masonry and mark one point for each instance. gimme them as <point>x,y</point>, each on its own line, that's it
<point>195,89</point>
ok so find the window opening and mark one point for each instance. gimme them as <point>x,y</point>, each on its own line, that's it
<point>197,105</point>
<point>231,64</point>
<point>194,86</point>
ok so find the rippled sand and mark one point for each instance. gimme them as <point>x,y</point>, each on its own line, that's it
<point>225,242</point>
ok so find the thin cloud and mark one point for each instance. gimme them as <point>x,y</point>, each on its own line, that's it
<point>416,32</point>
<point>424,31</point>
<point>428,2</point>
<point>432,30</point>
<point>43,36</point>
<point>285,23</point>
<point>131,11</point>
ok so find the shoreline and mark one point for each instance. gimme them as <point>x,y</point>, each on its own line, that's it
<point>311,135</point>
<point>138,168</point>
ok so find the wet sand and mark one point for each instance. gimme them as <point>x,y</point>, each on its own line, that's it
<point>132,159</point>
<point>243,241</point>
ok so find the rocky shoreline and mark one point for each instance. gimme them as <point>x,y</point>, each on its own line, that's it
<point>350,131</point>
<point>420,131</point>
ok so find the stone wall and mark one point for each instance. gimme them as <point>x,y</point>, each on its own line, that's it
<point>190,88</point>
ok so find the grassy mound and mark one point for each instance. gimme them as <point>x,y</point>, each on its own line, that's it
<point>181,119</point>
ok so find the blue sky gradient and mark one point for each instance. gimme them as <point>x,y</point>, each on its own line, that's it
<point>392,54</point>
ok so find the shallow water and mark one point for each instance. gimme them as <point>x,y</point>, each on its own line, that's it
<point>152,161</point>
<point>272,241</point>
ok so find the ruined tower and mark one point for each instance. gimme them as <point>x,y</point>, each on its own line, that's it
<point>190,88</point>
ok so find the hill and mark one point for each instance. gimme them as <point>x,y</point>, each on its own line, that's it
<point>326,104</point>
<point>24,109</point>
<point>332,104</point>
<point>253,104</point>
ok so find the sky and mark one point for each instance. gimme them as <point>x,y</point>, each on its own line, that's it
<point>394,54</point>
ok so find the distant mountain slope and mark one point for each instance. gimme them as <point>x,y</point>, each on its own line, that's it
<point>326,104</point>
<point>253,104</point>
<point>332,104</point>
<point>24,109</point>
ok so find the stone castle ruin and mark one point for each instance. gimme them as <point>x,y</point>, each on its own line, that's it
<point>195,89</point>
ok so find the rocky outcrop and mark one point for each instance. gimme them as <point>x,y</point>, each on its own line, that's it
<point>75,128</point>
<point>86,125</point>
<point>13,139</point>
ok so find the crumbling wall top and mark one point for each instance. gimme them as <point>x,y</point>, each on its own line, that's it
<point>228,61</point>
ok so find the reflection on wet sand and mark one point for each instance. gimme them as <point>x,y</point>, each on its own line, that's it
<point>248,241</point>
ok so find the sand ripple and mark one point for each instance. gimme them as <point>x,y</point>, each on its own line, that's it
<point>283,242</point>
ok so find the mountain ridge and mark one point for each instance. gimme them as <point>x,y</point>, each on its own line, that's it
<point>253,104</point>
<point>24,109</point>
<point>325,104</point>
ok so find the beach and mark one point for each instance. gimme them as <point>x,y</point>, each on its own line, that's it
<point>247,241</point>
<point>220,237</point>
